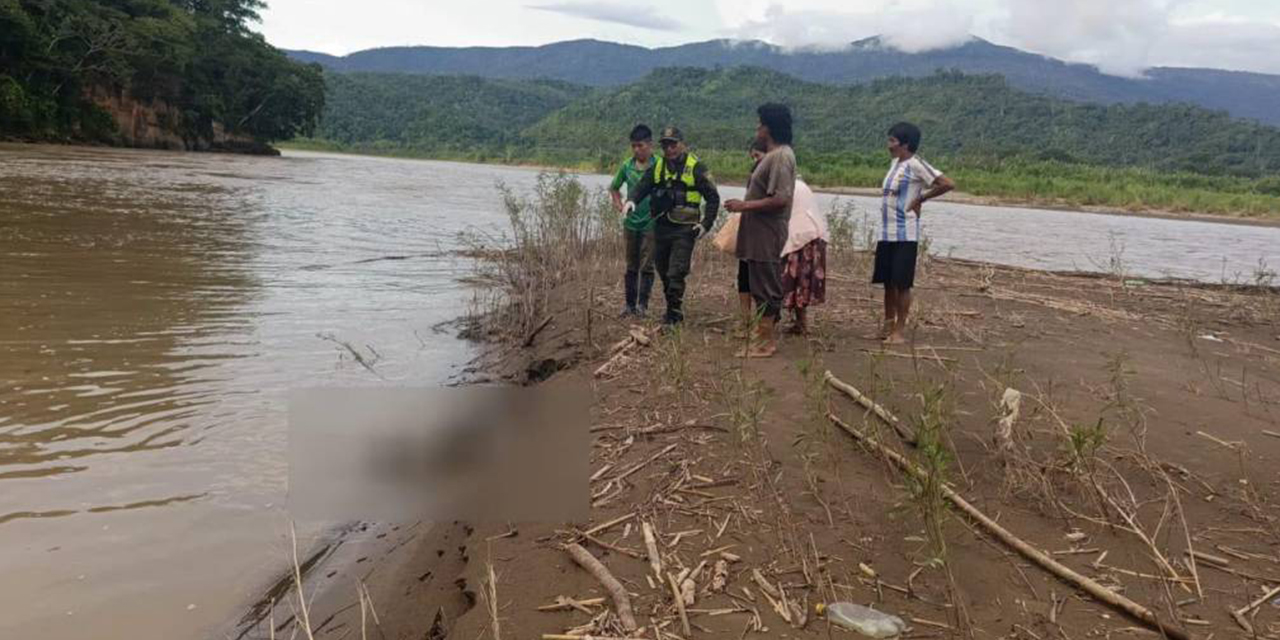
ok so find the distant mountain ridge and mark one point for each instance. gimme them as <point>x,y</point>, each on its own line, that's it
<point>971,119</point>
<point>593,62</point>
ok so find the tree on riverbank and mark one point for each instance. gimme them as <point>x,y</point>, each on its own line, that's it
<point>198,57</point>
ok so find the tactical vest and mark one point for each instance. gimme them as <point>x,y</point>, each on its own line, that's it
<point>675,191</point>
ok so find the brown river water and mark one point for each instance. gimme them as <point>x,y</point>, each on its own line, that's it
<point>156,307</point>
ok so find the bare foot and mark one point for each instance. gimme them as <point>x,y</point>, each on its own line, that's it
<point>796,330</point>
<point>895,338</point>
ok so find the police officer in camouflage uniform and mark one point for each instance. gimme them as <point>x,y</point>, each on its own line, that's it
<point>684,202</point>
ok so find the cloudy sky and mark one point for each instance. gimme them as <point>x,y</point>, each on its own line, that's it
<point>1120,36</point>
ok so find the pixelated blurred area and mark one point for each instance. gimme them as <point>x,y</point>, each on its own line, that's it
<point>482,454</point>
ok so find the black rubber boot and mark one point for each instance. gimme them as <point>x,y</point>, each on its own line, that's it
<point>630,288</point>
<point>646,287</point>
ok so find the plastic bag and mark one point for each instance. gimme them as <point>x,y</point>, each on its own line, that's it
<point>726,238</point>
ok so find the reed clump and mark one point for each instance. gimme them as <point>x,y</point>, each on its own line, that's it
<point>553,235</point>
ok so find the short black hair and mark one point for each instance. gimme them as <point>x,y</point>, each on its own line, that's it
<point>777,117</point>
<point>907,134</point>
<point>641,133</point>
<point>758,145</point>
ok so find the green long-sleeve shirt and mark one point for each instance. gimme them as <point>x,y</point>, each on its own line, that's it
<point>630,174</point>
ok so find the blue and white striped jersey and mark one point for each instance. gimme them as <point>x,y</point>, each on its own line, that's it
<point>906,180</point>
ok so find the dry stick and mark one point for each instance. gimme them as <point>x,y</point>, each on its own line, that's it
<point>871,406</point>
<point>528,341</point>
<point>565,636</point>
<point>1086,584</point>
<point>297,581</point>
<point>614,548</point>
<point>684,616</point>
<point>651,545</point>
<point>621,600</point>
<point>612,523</point>
<point>1239,614</point>
<point>491,591</point>
<point>1136,529</point>
<point>564,603</point>
<point>642,465</point>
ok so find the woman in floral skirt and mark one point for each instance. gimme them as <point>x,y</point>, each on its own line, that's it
<point>804,259</point>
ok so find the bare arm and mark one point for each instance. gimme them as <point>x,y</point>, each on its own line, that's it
<point>706,187</point>
<point>772,203</point>
<point>940,186</point>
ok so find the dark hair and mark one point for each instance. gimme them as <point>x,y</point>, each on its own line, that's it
<point>758,145</point>
<point>641,133</point>
<point>777,117</point>
<point>907,134</point>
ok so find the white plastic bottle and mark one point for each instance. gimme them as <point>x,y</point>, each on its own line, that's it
<point>864,620</point>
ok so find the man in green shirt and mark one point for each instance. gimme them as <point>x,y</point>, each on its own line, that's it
<point>637,225</point>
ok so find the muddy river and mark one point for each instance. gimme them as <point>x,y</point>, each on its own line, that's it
<point>155,307</point>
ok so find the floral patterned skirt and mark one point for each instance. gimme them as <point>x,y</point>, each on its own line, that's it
<point>804,276</point>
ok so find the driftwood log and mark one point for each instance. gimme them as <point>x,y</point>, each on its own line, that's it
<point>617,593</point>
<point>1040,558</point>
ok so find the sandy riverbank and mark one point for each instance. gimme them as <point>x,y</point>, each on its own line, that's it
<point>1144,407</point>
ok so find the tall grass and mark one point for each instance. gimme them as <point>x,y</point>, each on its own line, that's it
<point>554,235</point>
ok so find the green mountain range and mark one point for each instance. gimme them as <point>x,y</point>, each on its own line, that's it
<point>976,119</point>
<point>603,64</point>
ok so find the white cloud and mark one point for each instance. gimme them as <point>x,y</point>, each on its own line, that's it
<point>638,16</point>
<point>1115,35</point>
<point>908,25</point>
<point>1248,45</point>
<point>1119,36</point>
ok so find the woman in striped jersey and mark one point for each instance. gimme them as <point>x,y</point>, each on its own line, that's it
<point>909,184</point>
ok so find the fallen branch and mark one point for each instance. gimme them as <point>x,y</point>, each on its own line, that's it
<point>675,593</point>
<point>621,601</point>
<point>651,546</point>
<point>565,636</point>
<point>882,413</point>
<point>1066,574</point>
<point>355,353</point>
<point>1239,614</point>
<point>528,341</point>
<point>563,603</point>
<point>642,465</point>
<point>620,351</point>
<point>610,524</point>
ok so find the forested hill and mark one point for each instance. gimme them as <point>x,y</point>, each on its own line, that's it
<point>168,73</point>
<point>442,113</point>
<point>973,118</point>
<point>595,63</point>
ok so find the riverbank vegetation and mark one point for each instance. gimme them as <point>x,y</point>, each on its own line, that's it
<point>998,141</point>
<point>61,60</point>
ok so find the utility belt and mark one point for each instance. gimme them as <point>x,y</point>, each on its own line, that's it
<point>685,216</point>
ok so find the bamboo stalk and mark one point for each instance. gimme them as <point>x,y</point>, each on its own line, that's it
<point>1064,573</point>
<point>870,405</point>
